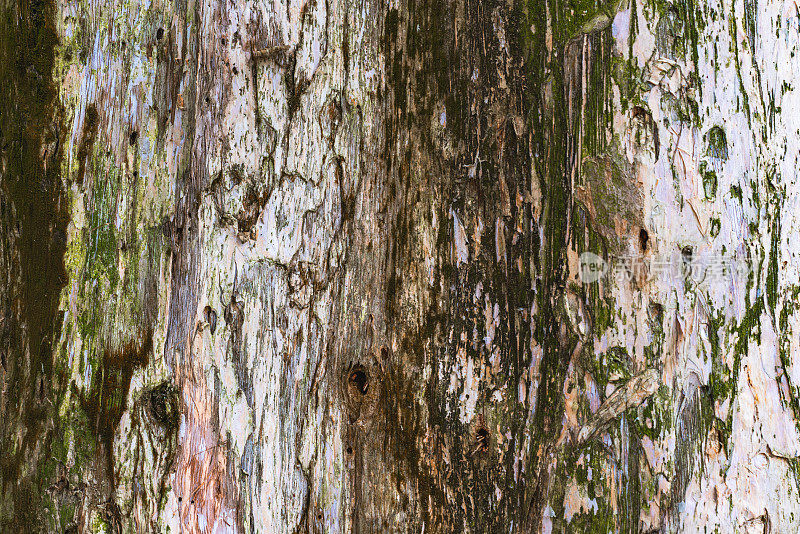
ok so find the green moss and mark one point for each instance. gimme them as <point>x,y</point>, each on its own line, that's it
<point>736,192</point>
<point>720,386</point>
<point>717,143</point>
<point>613,364</point>
<point>709,181</point>
<point>582,16</point>
<point>715,227</point>
<point>629,78</point>
<point>99,525</point>
<point>735,41</point>
<point>772,267</point>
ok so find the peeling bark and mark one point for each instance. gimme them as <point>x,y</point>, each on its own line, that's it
<point>315,266</point>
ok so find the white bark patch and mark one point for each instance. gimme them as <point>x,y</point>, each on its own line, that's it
<point>460,236</point>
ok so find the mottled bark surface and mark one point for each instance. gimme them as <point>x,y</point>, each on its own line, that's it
<point>313,266</point>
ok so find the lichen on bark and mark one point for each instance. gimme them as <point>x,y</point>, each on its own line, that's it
<point>315,266</point>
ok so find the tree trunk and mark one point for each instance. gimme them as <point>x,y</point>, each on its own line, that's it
<point>324,266</point>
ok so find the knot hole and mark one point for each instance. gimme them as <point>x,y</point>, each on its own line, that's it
<point>359,380</point>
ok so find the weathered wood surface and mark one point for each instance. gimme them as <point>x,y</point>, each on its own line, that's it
<point>313,266</point>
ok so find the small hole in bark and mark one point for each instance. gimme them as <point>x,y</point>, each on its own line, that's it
<point>687,252</point>
<point>211,318</point>
<point>160,33</point>
<point>161,403</point>
<point>385,352</point>
<point>482,439</point>
<point>643,239</point>
<point>359,380</point>
<point>349,451</point>
<point>133,137</point>
<point>224,41</point>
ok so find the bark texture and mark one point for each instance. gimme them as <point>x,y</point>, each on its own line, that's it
<point>313,266</point>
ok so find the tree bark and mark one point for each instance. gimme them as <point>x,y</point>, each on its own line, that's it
<point>320,266</point>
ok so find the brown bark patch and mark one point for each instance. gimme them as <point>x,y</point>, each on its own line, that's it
<point>107,400</point>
